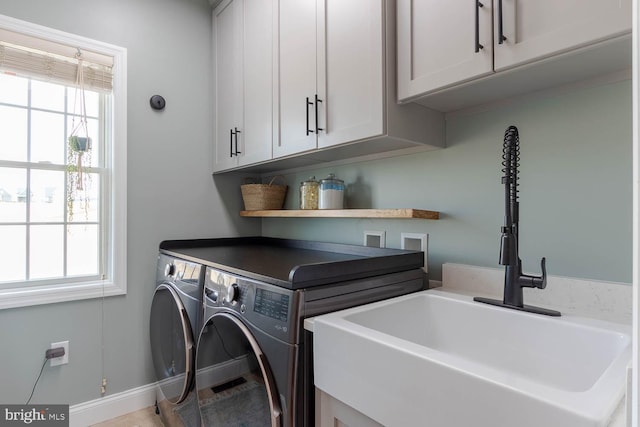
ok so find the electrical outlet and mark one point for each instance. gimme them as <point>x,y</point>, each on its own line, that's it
<point>375,239</point>
<point>62,360</point>
<point>416,242</point>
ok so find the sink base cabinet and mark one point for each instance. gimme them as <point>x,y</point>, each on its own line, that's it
<point>331,412</point>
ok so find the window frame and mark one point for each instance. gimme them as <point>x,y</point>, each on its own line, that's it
<point>114,280</point>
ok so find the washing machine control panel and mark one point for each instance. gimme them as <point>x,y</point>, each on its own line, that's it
<point>265,306</point>
<point>272,304</point>
<point>177,270</point>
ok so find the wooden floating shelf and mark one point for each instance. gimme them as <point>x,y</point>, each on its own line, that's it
<point>345,213</point>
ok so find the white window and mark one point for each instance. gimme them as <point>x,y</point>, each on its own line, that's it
<point>62,201</point>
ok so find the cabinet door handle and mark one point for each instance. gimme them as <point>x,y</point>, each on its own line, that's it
<point>236,135</point>
<point>318,129</point>
<point>501,36</point>
<point>230,142</point>
<point>307,107</point>
<point>478,45</point>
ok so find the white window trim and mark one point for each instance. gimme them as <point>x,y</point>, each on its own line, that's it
<point>116,282</point>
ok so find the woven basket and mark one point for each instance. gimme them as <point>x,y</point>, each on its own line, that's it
<point>258,197</point>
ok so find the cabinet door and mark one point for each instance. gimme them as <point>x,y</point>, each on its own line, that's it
<point>256,137</point>
<point>297,76</point>
<point>331,412</point>
<point>227,41</point>
<point>535,29</point>
<point>350,72</point>
<point>437,44</point>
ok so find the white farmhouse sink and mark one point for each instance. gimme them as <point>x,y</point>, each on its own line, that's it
<point>442,360</point>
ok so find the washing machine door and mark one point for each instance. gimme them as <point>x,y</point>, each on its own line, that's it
<point>234,381</point>
<point>172,344</point>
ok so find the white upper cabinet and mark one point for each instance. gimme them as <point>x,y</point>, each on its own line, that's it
<point>243,66</point>
<point>452,53</point>
<point>533,30</point>
<point>442,43</point>
<point>302,82</point>
<point>298,64</point>
<point>227,39</point>
<point>352,77</point>
<point>258,67</point>
<point>337,81</point>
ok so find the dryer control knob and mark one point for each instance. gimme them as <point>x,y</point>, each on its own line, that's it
<point>169,269</point>
<point>233,293</point>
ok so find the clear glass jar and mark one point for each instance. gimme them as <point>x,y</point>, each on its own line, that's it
<point>331,193</point>
<point>309,191</point>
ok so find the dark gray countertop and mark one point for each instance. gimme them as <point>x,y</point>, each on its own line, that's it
<point>293,264</point>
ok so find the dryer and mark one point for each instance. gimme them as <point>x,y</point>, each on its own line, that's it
<point>176,312</point>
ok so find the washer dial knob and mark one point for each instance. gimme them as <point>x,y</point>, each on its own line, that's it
<point>233,293</point>
<point>169,269</point>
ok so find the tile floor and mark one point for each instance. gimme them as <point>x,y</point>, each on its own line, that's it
<point>143,418</point>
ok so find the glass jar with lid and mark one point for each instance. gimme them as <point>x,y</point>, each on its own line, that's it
<point>309,192</point>
<point>331,193</point>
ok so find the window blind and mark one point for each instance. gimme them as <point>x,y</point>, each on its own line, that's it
<point>50,61</point>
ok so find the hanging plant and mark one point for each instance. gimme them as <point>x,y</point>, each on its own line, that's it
<point>78,147</point>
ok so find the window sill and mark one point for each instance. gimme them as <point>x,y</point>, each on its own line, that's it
<point>13,298</point>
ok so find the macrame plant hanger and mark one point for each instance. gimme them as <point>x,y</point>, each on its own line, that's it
<point>79,145</point>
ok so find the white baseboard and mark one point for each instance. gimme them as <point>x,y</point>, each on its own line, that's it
<point>112,406</point>
<point>115,405</point>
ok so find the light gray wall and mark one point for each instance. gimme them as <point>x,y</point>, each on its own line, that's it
<point>575,175</point>
<point>575,199</point>
<point>170,195</point>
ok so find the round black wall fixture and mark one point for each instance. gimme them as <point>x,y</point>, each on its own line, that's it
<point>157,102</point>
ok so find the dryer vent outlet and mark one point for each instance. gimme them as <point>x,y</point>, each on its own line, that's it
<point>416,242</point>
<point>375,239</point>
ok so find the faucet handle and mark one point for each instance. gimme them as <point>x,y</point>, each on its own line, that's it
<point>541,282</point>
<point>536,281</point>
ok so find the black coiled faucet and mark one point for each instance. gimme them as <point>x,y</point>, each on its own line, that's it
<point>514,280</point>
